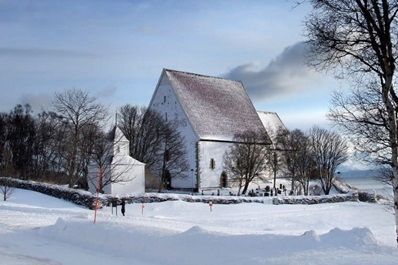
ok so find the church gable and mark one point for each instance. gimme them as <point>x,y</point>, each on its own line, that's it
<point>272,123</point>
<point>165,101</point>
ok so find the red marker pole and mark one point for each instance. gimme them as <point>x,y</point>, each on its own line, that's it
<point>211,206</point>
<point>99,187</point>
<point>142,209</point>
<point>95,207</point>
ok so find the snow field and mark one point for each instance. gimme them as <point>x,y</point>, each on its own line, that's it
<point>38,229</point>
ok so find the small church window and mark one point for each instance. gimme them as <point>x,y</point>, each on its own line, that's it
<point>164,99</point>
<point>212,163</point>
<point>166,116</point>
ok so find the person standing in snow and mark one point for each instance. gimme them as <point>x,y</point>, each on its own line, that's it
<point>123,207</point>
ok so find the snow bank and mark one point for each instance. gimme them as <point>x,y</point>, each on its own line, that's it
<point>199,246</point>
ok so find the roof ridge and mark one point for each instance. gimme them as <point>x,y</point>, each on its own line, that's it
<point>265,111</point>
<point>202,75</point>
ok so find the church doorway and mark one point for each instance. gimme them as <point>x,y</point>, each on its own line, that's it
<point>224,180</point>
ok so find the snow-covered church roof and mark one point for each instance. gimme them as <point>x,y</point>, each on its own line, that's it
<point>217,108</point>
<point>271,122</point>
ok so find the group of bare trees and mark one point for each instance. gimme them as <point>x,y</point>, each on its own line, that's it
<point>83,117</point>
<point>298,155</point>
<point>312,155</point>
<point>55,145</point>
<point>297,158</point>
<point>58,145</point>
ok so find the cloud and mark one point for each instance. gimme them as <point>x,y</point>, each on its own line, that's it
<point>38,102</point>
<point>107,92</point>
<point>287,74</point>
<point>44,52</point>
<point>304,119</point>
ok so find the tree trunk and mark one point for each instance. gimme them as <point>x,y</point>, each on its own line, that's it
<point>240,186</point>
<point>392,122</point>
<point>395,188</point>
<point>275,168</point>
<point>245,187</point>
<point>394,157</point>
<point>292,187</point>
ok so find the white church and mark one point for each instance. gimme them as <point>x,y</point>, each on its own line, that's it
<point>209,112</point>
<point>120,173</point>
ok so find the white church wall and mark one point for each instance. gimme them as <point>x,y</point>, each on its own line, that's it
<point>121,147</point>
<point>130,179</point>
<point>165,102</point>
<point>93,177</point>
<point>209,177</point>
<point>127,177</point>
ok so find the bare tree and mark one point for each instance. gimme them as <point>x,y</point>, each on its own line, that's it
<point>173,152</point>
<point>363,117</point>
<point>6,189</point>
<point>20,137</point>
<point>144,129</point>
<point>297,158</point>
<point>360,37</point>
<point>329,151</point>
<point>47,156</point>
<point>155,142</point>
<point>79,110</point>
<point>130,119</point>
<point>274,163</point>
<point>3,138</point>
<point>247,158</point>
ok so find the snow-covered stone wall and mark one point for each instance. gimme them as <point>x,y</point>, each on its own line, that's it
<point>79,197</point>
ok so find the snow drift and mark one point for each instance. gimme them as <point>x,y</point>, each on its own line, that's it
<point>199,246</point>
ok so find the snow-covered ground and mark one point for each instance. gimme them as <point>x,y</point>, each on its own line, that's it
<point>38,229</point>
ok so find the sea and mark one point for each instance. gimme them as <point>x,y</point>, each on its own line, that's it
<point>367,180</point>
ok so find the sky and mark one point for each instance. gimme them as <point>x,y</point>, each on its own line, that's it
<point>116,51</point>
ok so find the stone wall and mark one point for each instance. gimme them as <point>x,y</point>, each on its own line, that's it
<point>352,197</point>
<point>79,197</point>
<point>86,199</point>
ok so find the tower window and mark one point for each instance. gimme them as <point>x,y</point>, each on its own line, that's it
<point>164,99</point>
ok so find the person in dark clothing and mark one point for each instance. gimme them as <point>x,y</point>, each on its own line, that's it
<point>123,207</point>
